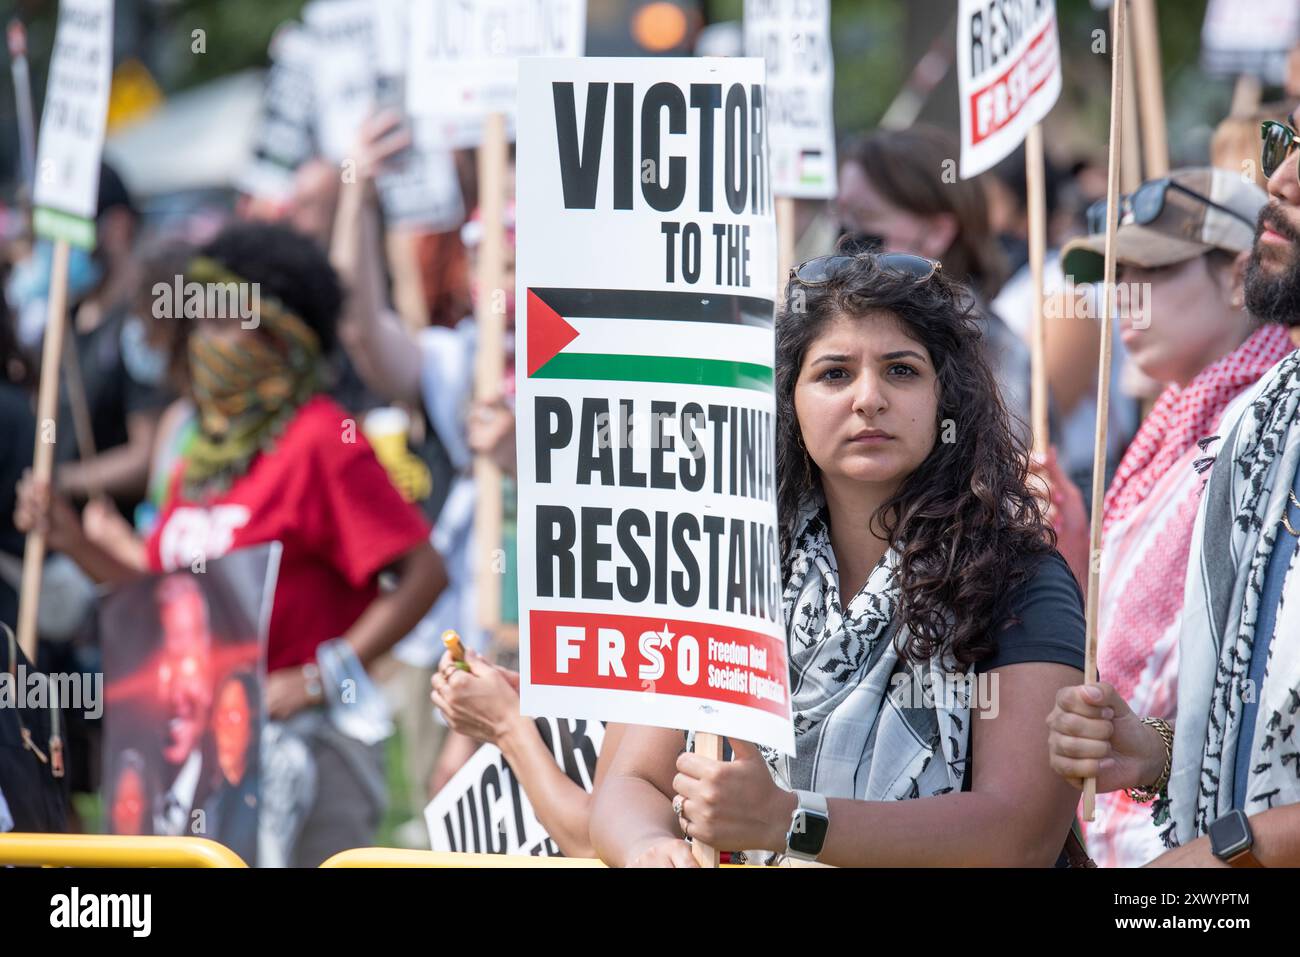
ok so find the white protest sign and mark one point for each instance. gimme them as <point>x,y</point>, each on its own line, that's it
<point>421,188</point>
<point>646,263</point>
<point>463,61</point>
<point>73,122</point>
<point>284,138</point>
<point>793,37</point>
<point>1008,75</point>
<point>342,33</point>
<point>1249,36</point>
<point>484,810</point>
<point>392,20</point>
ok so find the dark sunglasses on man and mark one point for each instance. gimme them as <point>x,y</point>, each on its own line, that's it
<point>823,269</point>
<point>1279,140</point>
<point>1145,204</point>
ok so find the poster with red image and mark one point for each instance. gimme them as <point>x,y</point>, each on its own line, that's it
<point>184,667</point>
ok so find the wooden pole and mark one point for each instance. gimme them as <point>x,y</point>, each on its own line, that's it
<point>47,410</point>
<point>1130,171</point>
<point>489,362</point>
<point>785,242</point>
<point>1037,196</point>
<point>81,422</point>
<point>1103,367</point>
<point>709,746</point>
<point>1151,95</point>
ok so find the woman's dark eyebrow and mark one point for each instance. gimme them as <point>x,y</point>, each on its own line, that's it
<point>834,358</point>
<point>900,354</point>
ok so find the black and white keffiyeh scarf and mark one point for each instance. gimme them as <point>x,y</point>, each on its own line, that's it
<point>868,724</point>
<point>1236,529</point>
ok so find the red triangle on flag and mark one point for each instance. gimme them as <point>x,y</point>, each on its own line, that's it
<point>548,333</point>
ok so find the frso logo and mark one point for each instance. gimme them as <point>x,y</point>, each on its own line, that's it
<point>102,910</point>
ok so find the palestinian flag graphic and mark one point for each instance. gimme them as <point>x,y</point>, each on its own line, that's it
<point>642,336</point>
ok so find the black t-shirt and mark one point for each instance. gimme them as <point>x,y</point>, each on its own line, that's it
<point>1048,627</point>
<point>18,427</point>
<point>1048,621</point>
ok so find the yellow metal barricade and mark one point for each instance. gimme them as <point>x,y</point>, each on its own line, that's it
<point>113,850</point>
<point>399,857</point>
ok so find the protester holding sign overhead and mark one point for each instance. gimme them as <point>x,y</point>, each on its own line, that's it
<point>919,702</point>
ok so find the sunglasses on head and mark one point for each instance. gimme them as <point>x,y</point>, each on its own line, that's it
<point>1279,141</point>
<point>823,269</point>
<point>1147,202</point>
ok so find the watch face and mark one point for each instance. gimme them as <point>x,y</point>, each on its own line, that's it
<point>809,838</point>
<point>1229,835</point>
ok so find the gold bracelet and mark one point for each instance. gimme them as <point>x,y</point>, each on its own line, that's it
<point>1149,793</point>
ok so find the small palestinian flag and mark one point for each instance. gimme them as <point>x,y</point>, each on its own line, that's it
<point>641,336</point>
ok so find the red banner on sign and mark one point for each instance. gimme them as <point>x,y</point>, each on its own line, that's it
<point>999,101</point>
<point>658,656</point>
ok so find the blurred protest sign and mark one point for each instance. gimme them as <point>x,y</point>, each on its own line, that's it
<point>355,68</point>
<point>343,65</point>
<point>647,512</point>
<point>392,21</point>
<point>65,198</point>
<point>420,189</point>
<point>1008,79</point>
<point>285,136</point>
<point>1251,37</point>
<point>1008,75</point>
<point>184,664</point>
<point>793,38</point>
<point>483,809</point>
<point>463,58</point>
<point>73,122</point>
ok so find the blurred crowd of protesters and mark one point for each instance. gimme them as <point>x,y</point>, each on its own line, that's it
<point>186,414</point>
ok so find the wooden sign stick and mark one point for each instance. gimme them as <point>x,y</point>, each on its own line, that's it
<point>81,423</point>
<point>708,746</point>
<point>1037,207</point>
<point>1103,365</point>
<point>785,242</point>
<point>1151,96</point>
<point>47,411</point>
<point>489,362</point>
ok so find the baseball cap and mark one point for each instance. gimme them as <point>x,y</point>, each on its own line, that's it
<point>1170,220</point>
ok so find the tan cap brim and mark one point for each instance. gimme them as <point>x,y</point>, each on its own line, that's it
<point>1084,258</point>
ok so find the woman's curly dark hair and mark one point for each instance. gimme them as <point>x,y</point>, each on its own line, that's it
<point>966,526</point>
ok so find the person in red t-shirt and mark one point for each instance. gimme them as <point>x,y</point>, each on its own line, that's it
<point>276,460</point>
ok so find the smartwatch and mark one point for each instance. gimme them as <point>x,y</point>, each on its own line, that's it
<point>1231,840</point>
<point>808,826</point>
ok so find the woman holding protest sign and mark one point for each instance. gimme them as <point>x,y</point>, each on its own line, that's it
<point>920,703</point>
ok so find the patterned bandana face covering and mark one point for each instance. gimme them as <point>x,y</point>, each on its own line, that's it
<point>246,389</point>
